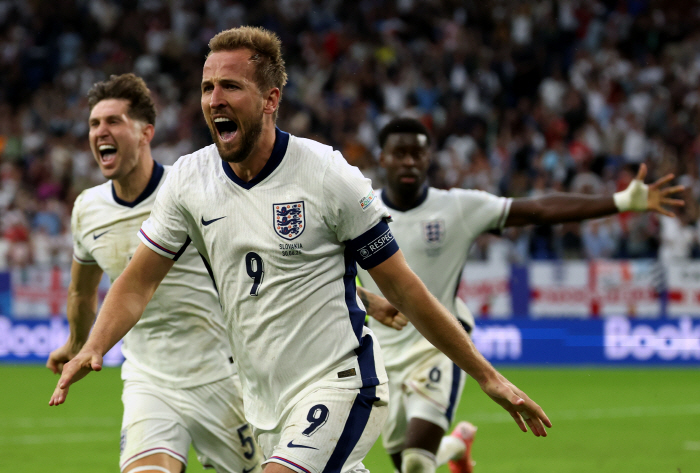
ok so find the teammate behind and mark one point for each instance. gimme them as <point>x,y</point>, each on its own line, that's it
<point>180,386</point>
<point>281,221</point>
<point>435,229</point>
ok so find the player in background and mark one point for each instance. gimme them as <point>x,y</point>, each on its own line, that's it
<point>281,222</point>
<point>180,384</point>
<point>435,229</point>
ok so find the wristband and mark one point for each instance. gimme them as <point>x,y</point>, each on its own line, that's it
<point>635,197</point>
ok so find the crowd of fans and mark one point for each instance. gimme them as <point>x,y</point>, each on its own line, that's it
<point>523,98</point>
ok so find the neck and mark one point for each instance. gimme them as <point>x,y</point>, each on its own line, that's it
<point>251,166</point>
<point>129,187</point>
<point>405,200</point>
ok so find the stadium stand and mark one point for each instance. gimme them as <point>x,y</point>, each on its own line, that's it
<point>522,100</point>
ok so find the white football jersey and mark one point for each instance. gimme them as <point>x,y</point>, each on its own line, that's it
<point>435,238</point>
<point>180,340</point>
<point>282,249</point>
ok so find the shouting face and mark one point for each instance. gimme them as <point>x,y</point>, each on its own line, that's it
<point>232,103</point>
<point>116,138</point>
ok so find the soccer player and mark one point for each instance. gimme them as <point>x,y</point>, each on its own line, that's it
<point>435,229</point>
<point>281,222</point>
<point>180,386</point>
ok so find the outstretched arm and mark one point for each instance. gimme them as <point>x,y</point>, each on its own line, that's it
<point>121,310</point>
<point>81,311</point>
<point>562,207</point>
<point>405,291</point>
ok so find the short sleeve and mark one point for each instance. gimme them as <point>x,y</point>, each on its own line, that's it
<point>356,213</point>
<point>482,210</point>
<point>165,230</point>
<point>81,254</point>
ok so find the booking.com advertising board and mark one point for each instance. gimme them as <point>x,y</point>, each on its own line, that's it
<point>614,340</point>
<point>542,314</point>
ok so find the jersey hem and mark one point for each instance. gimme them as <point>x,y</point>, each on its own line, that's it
<point>85,262</point>
<point>153,451</point>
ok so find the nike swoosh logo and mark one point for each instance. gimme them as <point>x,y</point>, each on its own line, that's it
<point>248,470</point>
<point>293,445</point>
<point>98,236</point>
<point>209,222</point>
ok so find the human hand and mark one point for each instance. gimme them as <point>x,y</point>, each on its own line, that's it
<point>73,371</point>
<point>385,313</point>
<point>521,408</point>
<point>658,193</point>
<point>60,356</point>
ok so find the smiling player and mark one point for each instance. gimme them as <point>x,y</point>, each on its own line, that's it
<point>282,222</point>
<point>435,229</point>
<point>180,386</point>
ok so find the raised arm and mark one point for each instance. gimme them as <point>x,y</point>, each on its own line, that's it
<point>81,311</point>
<point>122,308</point>
<point>405,291</point>
<point>562,207</point>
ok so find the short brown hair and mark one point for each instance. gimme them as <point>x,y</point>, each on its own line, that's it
<point>267,54</point>
<point>126,87</point>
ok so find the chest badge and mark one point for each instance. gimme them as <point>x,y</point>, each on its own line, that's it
<point>434,231</point>
<point>290,219</point>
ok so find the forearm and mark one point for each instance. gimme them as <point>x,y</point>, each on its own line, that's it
<point>81,312</point>
<point>369,299</point>
<point>437,325</point>
<point>122,308</point>
<point>559,208</point>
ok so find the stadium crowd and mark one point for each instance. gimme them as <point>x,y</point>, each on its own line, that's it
<point>523,98</point>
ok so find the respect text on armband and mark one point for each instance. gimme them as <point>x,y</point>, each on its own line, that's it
<point>376,245</point>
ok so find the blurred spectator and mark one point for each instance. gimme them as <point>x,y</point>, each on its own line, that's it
<point>522,99</point>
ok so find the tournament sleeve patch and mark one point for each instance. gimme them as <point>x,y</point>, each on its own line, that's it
<point>367,200</point>
<point>374,246</point>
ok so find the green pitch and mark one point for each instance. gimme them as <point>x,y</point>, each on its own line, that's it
<point>605,420</point>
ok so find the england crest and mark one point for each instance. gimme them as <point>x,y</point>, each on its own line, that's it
<point>289,219</point>
<point>434,231</point>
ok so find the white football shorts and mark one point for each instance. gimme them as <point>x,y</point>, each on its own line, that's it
<point>210,417</point>
<point>427,389</point>
<point>330,430</point>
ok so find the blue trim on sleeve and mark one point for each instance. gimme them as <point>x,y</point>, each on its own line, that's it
<point>360,413</point>
<point>278,152</point>
<point>374,246</point>
<point>151,187</point>
<point>357,315</point>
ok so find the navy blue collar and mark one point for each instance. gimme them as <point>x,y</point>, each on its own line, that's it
<point>391,205</point>
<point>151,187</point>
<point>278,152</point>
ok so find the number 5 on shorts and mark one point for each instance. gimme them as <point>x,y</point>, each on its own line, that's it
<point>246,441</point>
<point>318,415</point>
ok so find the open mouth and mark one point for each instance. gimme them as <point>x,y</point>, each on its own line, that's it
<point>226,127</point>
<point>107,153</point>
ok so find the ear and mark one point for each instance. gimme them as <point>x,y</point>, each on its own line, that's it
<point>272,100</point>
<point>382,159</point>
<point>147,133</point>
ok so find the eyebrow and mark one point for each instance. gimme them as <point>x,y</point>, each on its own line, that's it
<point>96,119</point>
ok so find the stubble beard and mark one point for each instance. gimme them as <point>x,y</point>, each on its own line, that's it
<point>248,141</point>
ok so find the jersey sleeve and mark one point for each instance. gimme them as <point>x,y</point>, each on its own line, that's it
<point>165,230</point>
<point>356,214</point>
<point>81,254</point>
<point>485,211</point>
